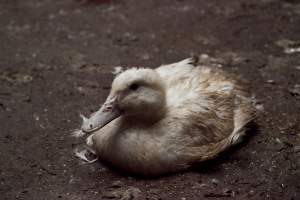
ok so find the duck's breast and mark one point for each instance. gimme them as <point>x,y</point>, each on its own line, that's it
<point>139,150</point>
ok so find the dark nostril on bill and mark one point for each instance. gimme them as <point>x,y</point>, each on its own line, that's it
<point>91,125</point>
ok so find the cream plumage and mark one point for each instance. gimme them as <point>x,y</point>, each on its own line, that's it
<point>156,121</point>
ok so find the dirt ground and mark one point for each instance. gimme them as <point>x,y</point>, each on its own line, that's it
<point>56,58</point>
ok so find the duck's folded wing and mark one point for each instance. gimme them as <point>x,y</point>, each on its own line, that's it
<point>219,129</point>
<point>212,121</point>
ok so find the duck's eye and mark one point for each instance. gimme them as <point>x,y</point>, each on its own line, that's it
<point>134,86</point>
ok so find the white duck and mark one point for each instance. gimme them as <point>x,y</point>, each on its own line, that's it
<point>157,121</point>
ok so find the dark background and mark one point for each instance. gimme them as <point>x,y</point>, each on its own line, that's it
<point>56,58</point>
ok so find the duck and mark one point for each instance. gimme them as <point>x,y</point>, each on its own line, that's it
<point>164,120</point>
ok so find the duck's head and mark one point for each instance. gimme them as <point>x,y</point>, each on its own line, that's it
<point>137,94</point>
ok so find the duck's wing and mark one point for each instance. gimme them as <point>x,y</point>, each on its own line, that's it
<point>210,139</point>
<point>187,82</point>
<point>213,106</point>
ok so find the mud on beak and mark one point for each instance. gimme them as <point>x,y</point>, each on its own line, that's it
<point>108,112</point>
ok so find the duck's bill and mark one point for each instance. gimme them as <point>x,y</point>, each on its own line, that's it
<point>108,112</point>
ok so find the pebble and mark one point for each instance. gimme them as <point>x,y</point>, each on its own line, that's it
<point>131,37</point>
<point>227,191</point>
<point>27,99</point>
<point>289,46</point>
<point>145,56</point>
<point>112,195</point>
<point>295,91</point>
<point>251,193</point>
<point>259,107</point>
<point>117,184</point>
<point>297,149</point>
<point>271,81</point>
<point>215,181</point>
<point>131,193</point>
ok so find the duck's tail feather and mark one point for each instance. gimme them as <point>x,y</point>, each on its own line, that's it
<point>244,114</point>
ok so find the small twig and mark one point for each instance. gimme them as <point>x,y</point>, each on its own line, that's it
<point>216,195</point>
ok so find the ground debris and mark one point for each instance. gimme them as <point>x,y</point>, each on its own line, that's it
<point>117,184</point>
<point>16,77</point>
<point>216,195</point>
<point>131,193</point>
<point>215,181</point>
<point>206,40</point>
<point>295,91</point>
<point>47,169</point>
<point>112,195</point>
<point>270,81</point>
<point>86,155</point>
<point>205,59</point>
<point>117,70</point>
<point>125,39</point>
<point>289,46</point>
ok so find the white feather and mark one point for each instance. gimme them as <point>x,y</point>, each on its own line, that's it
<point>82,155</point>
<point>78,133</point>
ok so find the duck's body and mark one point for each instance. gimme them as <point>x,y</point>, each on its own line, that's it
<point>203,111</point>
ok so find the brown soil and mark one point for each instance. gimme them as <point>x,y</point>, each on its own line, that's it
<point>56,59</point>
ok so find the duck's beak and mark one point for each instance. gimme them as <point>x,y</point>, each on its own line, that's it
<point>108,112</point>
